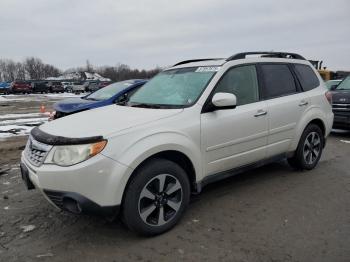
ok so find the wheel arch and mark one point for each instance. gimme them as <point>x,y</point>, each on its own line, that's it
<point>175,156</point>
<point>314,118</point>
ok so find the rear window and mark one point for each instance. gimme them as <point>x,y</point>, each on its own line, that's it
<point>278,80</point>
<point>307,77</point>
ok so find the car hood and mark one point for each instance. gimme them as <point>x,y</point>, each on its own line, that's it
<point>341,96</point>
<point>72,105</point>
<point>104,121</point>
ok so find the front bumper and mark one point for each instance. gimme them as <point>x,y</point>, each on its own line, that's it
<point>78,204</point>
<point>93,186</point>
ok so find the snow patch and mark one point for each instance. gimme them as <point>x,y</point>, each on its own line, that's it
<point>27,228</point>
<point>23,121</point>
<point>26,115</point>
<point>14,130</point>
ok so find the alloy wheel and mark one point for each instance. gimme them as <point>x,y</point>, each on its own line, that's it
<point>312,147</point>
<point>160,200</point>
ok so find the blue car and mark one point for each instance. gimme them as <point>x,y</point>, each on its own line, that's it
<point>105,96</point>
<point>5,87</point>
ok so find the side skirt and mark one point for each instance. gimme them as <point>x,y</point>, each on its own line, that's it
<point>235,171</point>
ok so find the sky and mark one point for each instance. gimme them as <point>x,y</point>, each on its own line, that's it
<point>150,33</point>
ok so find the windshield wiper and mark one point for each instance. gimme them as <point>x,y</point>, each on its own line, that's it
<point>92,99</point>
<point>144,105</point>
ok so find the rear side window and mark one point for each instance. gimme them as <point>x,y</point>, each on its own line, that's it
<point>278,80</point>
<point>307,77</point>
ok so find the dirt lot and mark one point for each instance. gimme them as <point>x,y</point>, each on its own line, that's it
<point>268,214</point>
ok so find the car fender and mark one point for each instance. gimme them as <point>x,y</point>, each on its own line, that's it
<point>142,148</point>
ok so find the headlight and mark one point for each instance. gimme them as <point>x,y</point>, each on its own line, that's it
<point>71,155</point>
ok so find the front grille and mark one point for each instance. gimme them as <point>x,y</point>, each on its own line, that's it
<point>55,197</point>
<point>36,152</point>
<point>341,107</point>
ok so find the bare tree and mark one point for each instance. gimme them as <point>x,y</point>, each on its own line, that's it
<point>8,70</point>
<point>33,68</point>
<point>20,71</point>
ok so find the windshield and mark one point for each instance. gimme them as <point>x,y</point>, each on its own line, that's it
<point>174,88</point>
<point>109,91</point>
<point>331,83</point>
<point>345,84</point>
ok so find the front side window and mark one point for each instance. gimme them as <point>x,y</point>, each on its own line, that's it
<point>307,77</point>
<point>174,88</point>
<point>278,80</point>
<point>242,82</point>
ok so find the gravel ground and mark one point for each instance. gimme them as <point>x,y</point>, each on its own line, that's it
<point>268,214</point>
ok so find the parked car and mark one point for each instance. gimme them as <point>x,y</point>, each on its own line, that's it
<point>92,86</point>
<point>192,124</point>
<point>108,95</point>
<point>40,87</point>
<point>56,87</point>
<point>5,87</point>
<point>341,104</point>
<point>76,87</point>
<point>333,83</point>
<point>66,85</point>
<point>20,87</point>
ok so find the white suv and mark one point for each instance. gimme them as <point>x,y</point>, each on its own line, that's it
<point>192,124</point>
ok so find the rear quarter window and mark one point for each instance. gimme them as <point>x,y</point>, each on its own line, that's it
<point>306,76</point>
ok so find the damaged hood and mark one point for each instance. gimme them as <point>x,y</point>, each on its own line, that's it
<point>104,121</point>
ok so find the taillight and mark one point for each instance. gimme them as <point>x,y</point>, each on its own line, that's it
<point>329,97</point>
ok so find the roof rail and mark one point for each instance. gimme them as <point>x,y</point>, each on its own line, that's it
<point>196,60</point>
<point>266,54</point>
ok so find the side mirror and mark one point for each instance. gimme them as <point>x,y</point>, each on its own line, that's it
<point>122,99</point>
<point>224,100</point>
<point>333,87</point>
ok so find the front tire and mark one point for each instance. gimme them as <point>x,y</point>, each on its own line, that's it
<point>156,197</point>
<point>309,149</point>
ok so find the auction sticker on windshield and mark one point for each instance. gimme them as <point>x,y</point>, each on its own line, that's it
<point>208,69</point>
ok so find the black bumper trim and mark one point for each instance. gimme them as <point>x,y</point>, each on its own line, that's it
<point>86,206</point>
<point>48,139</point>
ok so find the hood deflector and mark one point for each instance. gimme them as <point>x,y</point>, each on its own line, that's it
<point>48,139</point>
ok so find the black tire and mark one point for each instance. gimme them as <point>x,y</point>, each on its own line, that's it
<point>303,160</point>
<point>148,176</point>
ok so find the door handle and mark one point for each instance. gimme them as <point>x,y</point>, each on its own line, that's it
<point>303,103</point>
<point>260,113</point>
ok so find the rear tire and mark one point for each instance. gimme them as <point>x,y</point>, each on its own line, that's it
<point>156,198</point>
<point>309,149</point>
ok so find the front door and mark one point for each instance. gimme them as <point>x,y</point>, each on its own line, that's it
<point>236,137</point>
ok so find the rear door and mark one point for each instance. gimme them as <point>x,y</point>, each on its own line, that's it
<point>285,102</point>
